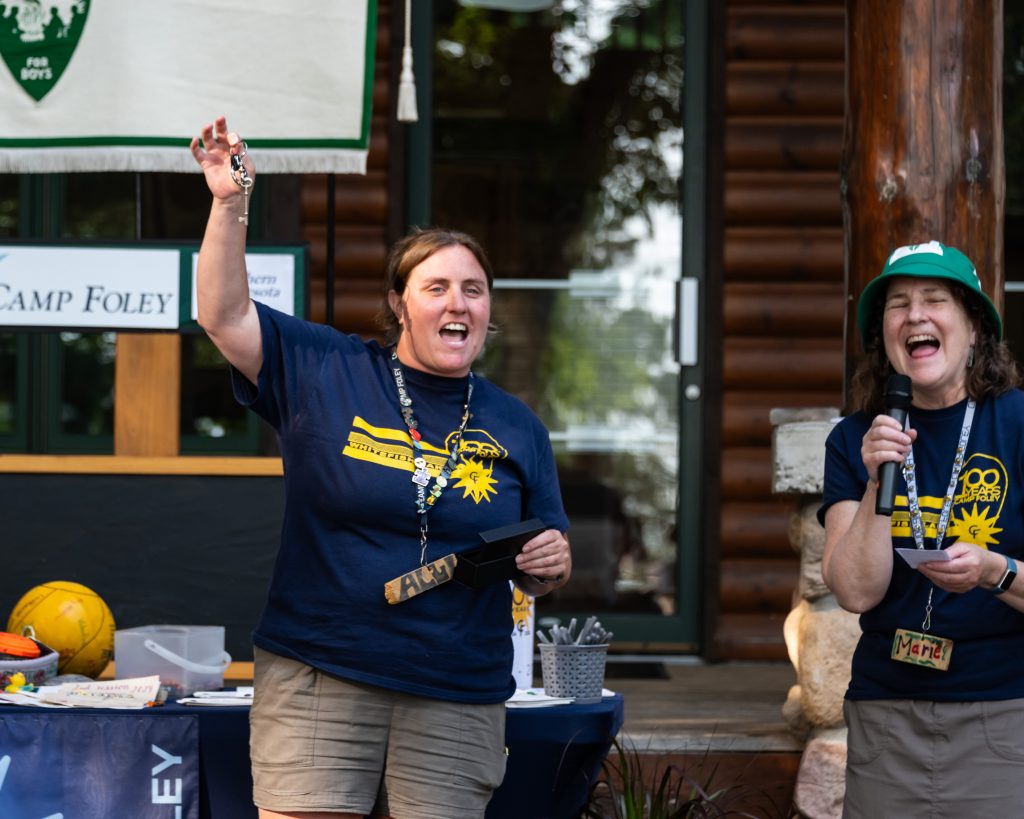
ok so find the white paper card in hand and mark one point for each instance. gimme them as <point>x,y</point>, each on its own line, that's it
<point>915,557</point>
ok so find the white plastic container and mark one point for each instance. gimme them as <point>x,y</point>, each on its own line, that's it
<point>187,658</point>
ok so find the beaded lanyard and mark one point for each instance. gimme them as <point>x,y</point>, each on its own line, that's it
<point>916,526</point>
<point>420,475</point>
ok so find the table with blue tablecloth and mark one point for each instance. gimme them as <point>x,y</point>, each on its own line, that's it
<point>555,756</point>
<point>89,755</point>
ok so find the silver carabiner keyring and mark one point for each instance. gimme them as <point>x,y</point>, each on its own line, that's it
<point>238,171</point>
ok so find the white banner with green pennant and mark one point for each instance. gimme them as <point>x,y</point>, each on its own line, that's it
<point>123,85</point>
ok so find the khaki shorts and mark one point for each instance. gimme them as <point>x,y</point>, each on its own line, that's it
<point>319,743</point>
<point>947,760</point>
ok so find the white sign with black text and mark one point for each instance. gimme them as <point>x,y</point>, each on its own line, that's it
<point>271,280</point>
<point>79,287</point>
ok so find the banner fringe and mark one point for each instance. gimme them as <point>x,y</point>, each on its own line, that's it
<point>175,160</point>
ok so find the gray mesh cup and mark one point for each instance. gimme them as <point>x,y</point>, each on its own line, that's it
<point>573,671</point>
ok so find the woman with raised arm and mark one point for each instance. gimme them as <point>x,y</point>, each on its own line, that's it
<point>380,683</point>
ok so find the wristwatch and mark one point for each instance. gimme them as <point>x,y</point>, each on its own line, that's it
<point>1008,576</point>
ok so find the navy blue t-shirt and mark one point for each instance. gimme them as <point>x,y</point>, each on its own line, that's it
<point>351,524</point>
<point>987,661</point>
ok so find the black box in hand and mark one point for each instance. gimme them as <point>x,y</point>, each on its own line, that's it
<point>496,559</point>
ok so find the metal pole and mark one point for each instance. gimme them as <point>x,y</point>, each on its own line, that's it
<point>138,206</point>
<point>329,293</point>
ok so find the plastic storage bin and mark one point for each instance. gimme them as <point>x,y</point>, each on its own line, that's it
<point>187,658</point>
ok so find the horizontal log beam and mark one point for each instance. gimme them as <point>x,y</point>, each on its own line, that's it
<point>785,253</point>
<point>360,252</point>
<point>793,310</point>
<point>357,199</point>
<point>756,529</point>
<point>782,363</point>
<point>745,413</point>
<point>746,473</point>
<point>758,585</point>
<point>777,143</point>
<point>784,199</point>
<point>742,636</point>
<point>784,88</point>
<point>777,31</point>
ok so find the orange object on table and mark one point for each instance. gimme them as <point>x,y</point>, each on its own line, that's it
<point>14,645</point>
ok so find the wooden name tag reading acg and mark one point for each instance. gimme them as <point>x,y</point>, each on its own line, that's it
<point>425,578</point>
<point>494,562</point>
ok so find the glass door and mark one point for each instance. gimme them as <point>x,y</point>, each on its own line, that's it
<point>1013,139</point>
<point>556,138</point>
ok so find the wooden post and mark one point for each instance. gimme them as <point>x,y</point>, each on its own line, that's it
<point>923,143</point>
<point>147,394</point>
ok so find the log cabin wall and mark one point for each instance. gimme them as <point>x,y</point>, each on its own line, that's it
<point>782,289</point>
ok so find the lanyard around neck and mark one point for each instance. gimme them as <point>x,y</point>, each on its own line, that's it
<point>916,525</point>
<point>420,475</point>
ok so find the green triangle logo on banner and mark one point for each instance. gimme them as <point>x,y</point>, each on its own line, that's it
<point>37,39</point>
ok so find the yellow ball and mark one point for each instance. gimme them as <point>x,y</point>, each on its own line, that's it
<point>72,620</point>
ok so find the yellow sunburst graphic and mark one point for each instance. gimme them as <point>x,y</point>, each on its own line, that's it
<point>974,526</point>
<point>475,478</point>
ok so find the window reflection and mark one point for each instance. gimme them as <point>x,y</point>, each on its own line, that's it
<point>8,383</point>
<point>8,205</point>
<point>87,384</point>
<point>211,419</point>
<point>1013,318</point>
<point>1013,135</point>
<point>558,143</point>
<point>99,206</point>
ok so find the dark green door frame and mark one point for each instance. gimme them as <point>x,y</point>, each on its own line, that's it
<point>681,631</point>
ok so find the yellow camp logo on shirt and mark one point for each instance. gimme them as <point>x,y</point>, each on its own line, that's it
<point>981,491</point>
<point>475,479</point>
<point>474,473</point>
<point>980,500</point>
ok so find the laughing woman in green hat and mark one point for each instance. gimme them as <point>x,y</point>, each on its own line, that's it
<point>935,705</point>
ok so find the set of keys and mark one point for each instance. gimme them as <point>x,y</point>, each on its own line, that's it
<point>243,180</point>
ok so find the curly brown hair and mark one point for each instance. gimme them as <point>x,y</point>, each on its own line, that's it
<point>410,251</point>
<point>993,373</point>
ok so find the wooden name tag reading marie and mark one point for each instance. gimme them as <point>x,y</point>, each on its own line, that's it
<point>922,649</point>
<point>420,580</point>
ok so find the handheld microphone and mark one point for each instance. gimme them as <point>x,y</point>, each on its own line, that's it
<point>898,394</point>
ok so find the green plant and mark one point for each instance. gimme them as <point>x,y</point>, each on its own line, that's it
<point>631,787</point>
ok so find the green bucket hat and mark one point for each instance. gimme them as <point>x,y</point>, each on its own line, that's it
<point>927,261</point>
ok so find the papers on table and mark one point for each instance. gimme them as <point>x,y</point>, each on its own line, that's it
<point>536,698</point>
<point>142,691</point>
<point>137,692</point>
<point>242,695</point>
<point>27,698</point>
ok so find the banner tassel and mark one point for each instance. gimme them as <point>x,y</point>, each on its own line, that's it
<point>407,83</point>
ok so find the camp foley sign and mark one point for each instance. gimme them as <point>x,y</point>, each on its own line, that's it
<point>124,85</point>
<point>89,287</point>
<point>131,287</point>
